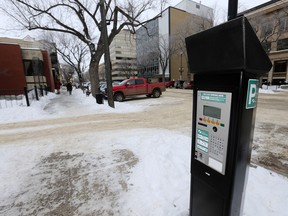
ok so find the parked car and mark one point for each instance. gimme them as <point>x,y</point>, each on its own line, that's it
<point>137,86</point>
<point>179,84</point>
<point>188,85</point>
<point>103,86</point>
<point>116,83</point>
<point>169,84</point>
<point>86,85</point>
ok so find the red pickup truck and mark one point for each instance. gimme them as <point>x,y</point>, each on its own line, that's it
<point>137,86</point>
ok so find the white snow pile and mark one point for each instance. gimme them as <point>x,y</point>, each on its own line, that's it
<point>43,109</point>
<point>272,89</point>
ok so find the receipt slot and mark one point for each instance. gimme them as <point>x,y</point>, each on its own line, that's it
<point>227,61</point>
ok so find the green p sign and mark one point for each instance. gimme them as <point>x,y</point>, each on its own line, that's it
<point>252,93</point>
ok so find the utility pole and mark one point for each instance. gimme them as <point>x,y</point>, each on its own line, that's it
<point>232,9</point>
<point>106,54</point>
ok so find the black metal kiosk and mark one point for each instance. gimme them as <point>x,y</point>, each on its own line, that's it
<point>227,61</point>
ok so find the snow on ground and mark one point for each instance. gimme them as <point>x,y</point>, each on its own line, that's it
<point>157,186</point>
<point>158,175</point>
<point>273,89</point>
<point>42,109</point>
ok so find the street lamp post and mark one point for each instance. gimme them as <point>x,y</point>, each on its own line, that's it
<point>232,9</point>
<point>181,69</point>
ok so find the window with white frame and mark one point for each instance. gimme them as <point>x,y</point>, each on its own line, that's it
<point>283,24</point>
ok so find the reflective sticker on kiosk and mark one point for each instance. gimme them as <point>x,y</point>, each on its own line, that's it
<point>252,93</point>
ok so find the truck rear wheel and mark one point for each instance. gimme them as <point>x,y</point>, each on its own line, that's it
<point>156,93</point>
<point>119,97</point>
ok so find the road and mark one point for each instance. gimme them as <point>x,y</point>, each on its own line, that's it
<point>270,146</point>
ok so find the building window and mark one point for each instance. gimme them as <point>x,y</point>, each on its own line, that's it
<point>33,68</point>
<point>282,44</point>
<point>283,24</point>
<point>131,82</point>
<point>266,29</point>
<point>197,6</point>
<point>280,66</point>
<point>266,46</point>
<point>139,81</point>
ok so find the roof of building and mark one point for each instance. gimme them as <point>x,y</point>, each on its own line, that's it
<point>259,7</point>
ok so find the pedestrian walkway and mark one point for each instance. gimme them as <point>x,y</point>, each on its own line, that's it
<point>64,102</point>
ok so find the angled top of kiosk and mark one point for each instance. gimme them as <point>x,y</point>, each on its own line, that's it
<point>228,47</point>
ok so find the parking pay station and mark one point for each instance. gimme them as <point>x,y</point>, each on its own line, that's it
<point>227,61</point>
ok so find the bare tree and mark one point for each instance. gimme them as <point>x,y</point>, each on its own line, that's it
<point>67,72</point>
<point>83,20</point>
<point>191,25</point>
<point>127,68</point>
<point>72,51</point>
<point>268,29</point>
<point>164,52</point>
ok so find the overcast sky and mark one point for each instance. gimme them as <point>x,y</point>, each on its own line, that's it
<point>224,3</point>
<point>221,7</point>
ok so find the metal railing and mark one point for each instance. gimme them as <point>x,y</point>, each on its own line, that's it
<point>18,97</point>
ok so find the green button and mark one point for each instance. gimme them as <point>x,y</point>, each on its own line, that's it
<point>222,125</point>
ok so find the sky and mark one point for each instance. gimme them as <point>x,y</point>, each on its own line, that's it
<point>158,184</point>
<point>220,6</point>
<point>223,4</point>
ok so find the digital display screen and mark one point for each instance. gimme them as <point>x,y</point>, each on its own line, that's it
<point>212,112</point>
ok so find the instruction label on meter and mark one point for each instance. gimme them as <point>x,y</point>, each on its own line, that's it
<point>202,140</point>
<point>221,98</point>
<point>212,128</point>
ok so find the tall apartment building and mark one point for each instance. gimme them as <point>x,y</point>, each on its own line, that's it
<point>123,55</point>
<point>165,36</point>
<point>147,44</point>
<point>270,22</point>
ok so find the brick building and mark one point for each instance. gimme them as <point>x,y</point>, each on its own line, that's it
<point>25,63</point>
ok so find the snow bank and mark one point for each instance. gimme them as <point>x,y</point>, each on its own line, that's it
<point>266,193</point>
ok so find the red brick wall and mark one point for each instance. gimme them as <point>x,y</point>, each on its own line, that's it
<point>12,75</point>
<point>48,70</point>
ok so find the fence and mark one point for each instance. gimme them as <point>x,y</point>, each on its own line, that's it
<point>11,98</point>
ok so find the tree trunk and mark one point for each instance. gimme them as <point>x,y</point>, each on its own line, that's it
<point>106,55</point>
<point>94,75</point>
<point>163,74</point>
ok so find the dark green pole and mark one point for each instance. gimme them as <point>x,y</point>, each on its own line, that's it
<point>232,9</point>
